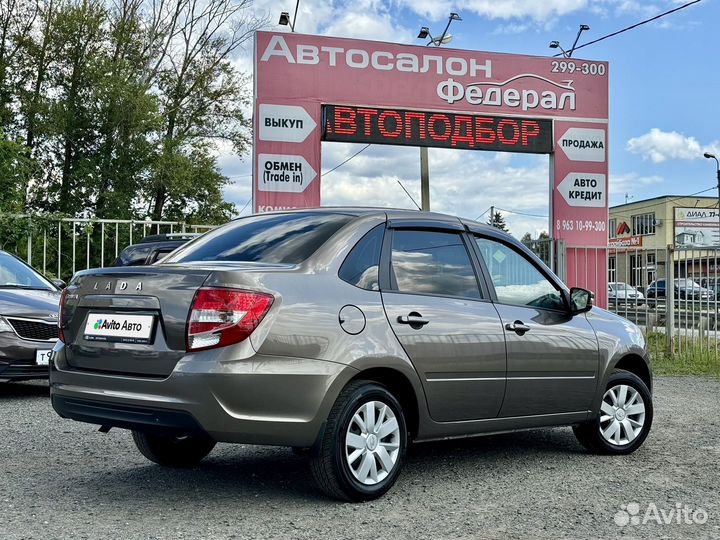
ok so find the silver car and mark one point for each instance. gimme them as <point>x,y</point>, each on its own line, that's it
<point>622,292</point>
<point>345,333</point>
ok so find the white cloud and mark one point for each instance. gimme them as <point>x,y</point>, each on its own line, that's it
<point>540,10</point>
<point>620,184</point>
<point>463,183</point>
<point>659,146</point>
<point>632,184</point>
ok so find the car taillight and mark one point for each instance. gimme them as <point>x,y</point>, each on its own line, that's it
<point>61,332</point>
<point>220,317</point>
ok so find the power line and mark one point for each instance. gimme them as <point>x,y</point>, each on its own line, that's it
<point>652,205</point>
<point>408,194</point>
<point>348,159</point>
<point>656,17</point>
<point>520,213</point>
<point>244,207</point>
<point>485,212</point>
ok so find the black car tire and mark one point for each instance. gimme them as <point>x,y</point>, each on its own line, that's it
<point>169,450</point>
<point>588,433</point>
<point>328,459</point>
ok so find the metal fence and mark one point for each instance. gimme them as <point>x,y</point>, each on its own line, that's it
<point>684,317</point>
<point>673,294</point>
<point>59,247</point>
<point>681,320</point>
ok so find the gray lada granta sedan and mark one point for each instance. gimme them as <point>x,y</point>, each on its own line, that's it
<point>347,332</point>
<point>28,320</point>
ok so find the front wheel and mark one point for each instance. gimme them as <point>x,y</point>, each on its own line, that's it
<point>362,450</point>
<point>170,450</point>
<point>624,419</point>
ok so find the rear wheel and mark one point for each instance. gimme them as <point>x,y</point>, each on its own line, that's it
<point>624,419</point>
<point>363,447</point>
<point>186,450</point>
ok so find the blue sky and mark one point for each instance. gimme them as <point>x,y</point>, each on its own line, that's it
<point>664,100</point>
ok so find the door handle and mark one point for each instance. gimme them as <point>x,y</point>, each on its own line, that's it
<point>413,319</point>
<point>518,327</point>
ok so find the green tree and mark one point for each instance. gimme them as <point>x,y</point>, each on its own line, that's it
<point>17,18</point>
<point>128,112</point>
<point>201,96</point>
<point>15,169</point>
<point>498,221</point>
<point>120,104</point>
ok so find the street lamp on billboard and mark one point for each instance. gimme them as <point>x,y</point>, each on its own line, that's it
<point>444,39</point>
<point>556,45</point>
<point>583,27</point>
<point>568,54</point>
<point>708,155</point>
<point>285,19</point>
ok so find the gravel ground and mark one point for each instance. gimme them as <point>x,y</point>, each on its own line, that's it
<point>62,479</point>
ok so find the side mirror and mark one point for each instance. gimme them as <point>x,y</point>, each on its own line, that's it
<point>59,283</point>
<point>580,300</point>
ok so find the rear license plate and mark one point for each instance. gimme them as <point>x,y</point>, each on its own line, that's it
<point>119,327</point>
<point>42,357</point>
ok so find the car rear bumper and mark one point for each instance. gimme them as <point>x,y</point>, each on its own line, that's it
<point>261,400</point>
<point>124,416</point>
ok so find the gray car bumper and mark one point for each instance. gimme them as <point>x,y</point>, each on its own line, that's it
<point>262,400</point>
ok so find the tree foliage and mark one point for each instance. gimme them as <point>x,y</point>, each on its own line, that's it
<point>115,108</point>
<point>498,221</point>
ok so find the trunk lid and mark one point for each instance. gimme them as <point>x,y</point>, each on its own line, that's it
<point>125,298</point>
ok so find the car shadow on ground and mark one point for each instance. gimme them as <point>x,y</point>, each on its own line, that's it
<point>21,390</point>
<point>269,474</point>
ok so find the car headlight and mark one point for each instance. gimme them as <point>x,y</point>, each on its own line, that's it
<point>5,326</point>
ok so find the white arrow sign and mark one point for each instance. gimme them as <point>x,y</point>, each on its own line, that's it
<point>285,123</point>
<point>584,144</point>
<point>583,189</point>
<point>284,173</point>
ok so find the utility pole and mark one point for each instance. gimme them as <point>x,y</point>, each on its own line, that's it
<point>424,179</point>
<point>708,155</point>
<point>492,215</point>
<point>424,169</point>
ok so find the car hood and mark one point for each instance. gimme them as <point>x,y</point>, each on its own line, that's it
<point>628,293</point>
<point>29,303</point>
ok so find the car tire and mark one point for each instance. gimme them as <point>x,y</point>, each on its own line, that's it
<point>356,462</point>
<point>170,450</point>
<point>624,417</point>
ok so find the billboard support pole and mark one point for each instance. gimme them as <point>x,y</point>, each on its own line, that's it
<point>424,179</point>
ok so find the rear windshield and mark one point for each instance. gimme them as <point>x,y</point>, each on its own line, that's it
<point>133,255</point>
<point>279,238</point>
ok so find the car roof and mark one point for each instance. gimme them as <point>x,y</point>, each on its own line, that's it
<point>391,213</point>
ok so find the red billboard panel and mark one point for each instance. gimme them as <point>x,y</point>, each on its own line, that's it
<point>313,88</point>
<point>443,130</point>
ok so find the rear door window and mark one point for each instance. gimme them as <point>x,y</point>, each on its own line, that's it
<point>277,238</point>
<point>432,262</point>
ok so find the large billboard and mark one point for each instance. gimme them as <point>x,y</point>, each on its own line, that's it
<point>696,227</point>
<point>310,89</point>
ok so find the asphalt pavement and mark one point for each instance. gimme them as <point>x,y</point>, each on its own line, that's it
<point>64,480</point>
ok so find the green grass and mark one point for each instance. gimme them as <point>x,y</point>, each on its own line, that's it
<point>692,356</point>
